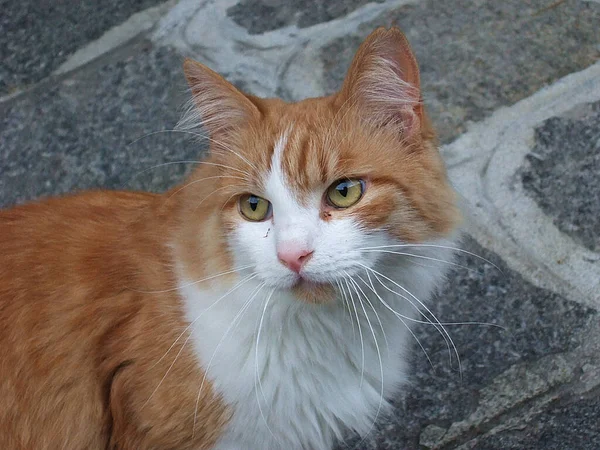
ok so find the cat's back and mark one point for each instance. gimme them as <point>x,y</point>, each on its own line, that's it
<point>39,240</point>
<point>63,244</point>
<point>36,222</point>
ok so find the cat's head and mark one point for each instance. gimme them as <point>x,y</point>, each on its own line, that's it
<point>301,193</point>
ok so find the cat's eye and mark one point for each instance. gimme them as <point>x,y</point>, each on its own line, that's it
<point>345,193</point>
<point>255,208</point>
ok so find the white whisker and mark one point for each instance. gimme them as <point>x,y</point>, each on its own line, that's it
<point>200,135</point>
<point>191,183</point>
<point>193,282</point>
<point>399,316</point>
<point>257,377</point>
<point>366,297</point>
<point>249,277</point>
<point>243,281</point>
<point>346,306</point>
<point>412,255</point>
<point>168,370</point>
<point>457,249</point>
<point>233,322</point>
<point>426,309</point>
<point>195,162</point>
<point>428,321</point>
<point>378,354</point>
<point>164,131</point>
<point>362,344</point>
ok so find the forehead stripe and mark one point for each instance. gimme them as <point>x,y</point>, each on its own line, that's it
<point>276,182</point>
<point>277,159</point>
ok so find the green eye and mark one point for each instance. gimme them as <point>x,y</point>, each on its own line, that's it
<point>345,193</point>
<point>255,208</point>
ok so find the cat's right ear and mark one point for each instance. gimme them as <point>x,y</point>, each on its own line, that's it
<point>383,82</point>
<point>217,105</point>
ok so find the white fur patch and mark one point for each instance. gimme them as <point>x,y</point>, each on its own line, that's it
<point>296,376</point>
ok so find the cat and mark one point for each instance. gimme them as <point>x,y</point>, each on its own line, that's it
<point>263,304</point>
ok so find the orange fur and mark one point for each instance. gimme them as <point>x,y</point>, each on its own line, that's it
<point>88,307</point>
<point>82,341</point>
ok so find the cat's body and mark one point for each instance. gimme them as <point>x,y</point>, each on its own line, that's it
<point>76,360</point>
<point>212,318</point>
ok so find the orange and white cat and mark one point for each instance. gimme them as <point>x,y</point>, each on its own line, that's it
<point>264,304</point>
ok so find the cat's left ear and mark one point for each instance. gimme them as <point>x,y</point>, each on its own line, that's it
<point>218,105</point>
<point>383,83</point>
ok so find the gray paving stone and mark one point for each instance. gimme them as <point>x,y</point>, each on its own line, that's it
<point>37,36</point>
<point>477,56</point>
<point>535,322</point>
<point>77,134</point>
<point>575,425</point>
<point>563,173</point>
<point>486,165</point>
<point>258,16</point>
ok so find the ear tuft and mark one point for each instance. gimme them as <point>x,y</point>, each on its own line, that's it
<point>216,104</point>
<point>383,81</point>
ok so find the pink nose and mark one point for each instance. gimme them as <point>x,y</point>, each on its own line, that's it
<point>294,257</point>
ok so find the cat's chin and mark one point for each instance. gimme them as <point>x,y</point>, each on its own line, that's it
<point>312,292</point>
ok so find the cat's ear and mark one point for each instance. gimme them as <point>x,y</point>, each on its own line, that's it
<point>218,105</point>
<point>383,82</point>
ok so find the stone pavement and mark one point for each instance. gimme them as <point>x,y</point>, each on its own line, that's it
<point>90,89</point>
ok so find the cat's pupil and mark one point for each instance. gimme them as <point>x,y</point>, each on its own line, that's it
<point>342,188</point>
<point>253,203</point>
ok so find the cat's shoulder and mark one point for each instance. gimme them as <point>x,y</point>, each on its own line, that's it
<point>73,214</point>
<point>76,204</point>
<point>80,230</point>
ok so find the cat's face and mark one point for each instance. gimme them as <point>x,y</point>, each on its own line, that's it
<point>309,215</point>
<point>306,191</point>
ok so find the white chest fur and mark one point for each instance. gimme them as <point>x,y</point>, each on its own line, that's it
<point>296,376</point>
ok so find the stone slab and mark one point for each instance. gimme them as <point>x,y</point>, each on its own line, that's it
<point>136,25</point>
<point>573,425</point>
<point>258,16</point>
<point>562,172</point>
<point>285,62</point>
<point>95,129</point>
<point>37,36</point>
<point>476,56</point>
<point>486,165</point>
